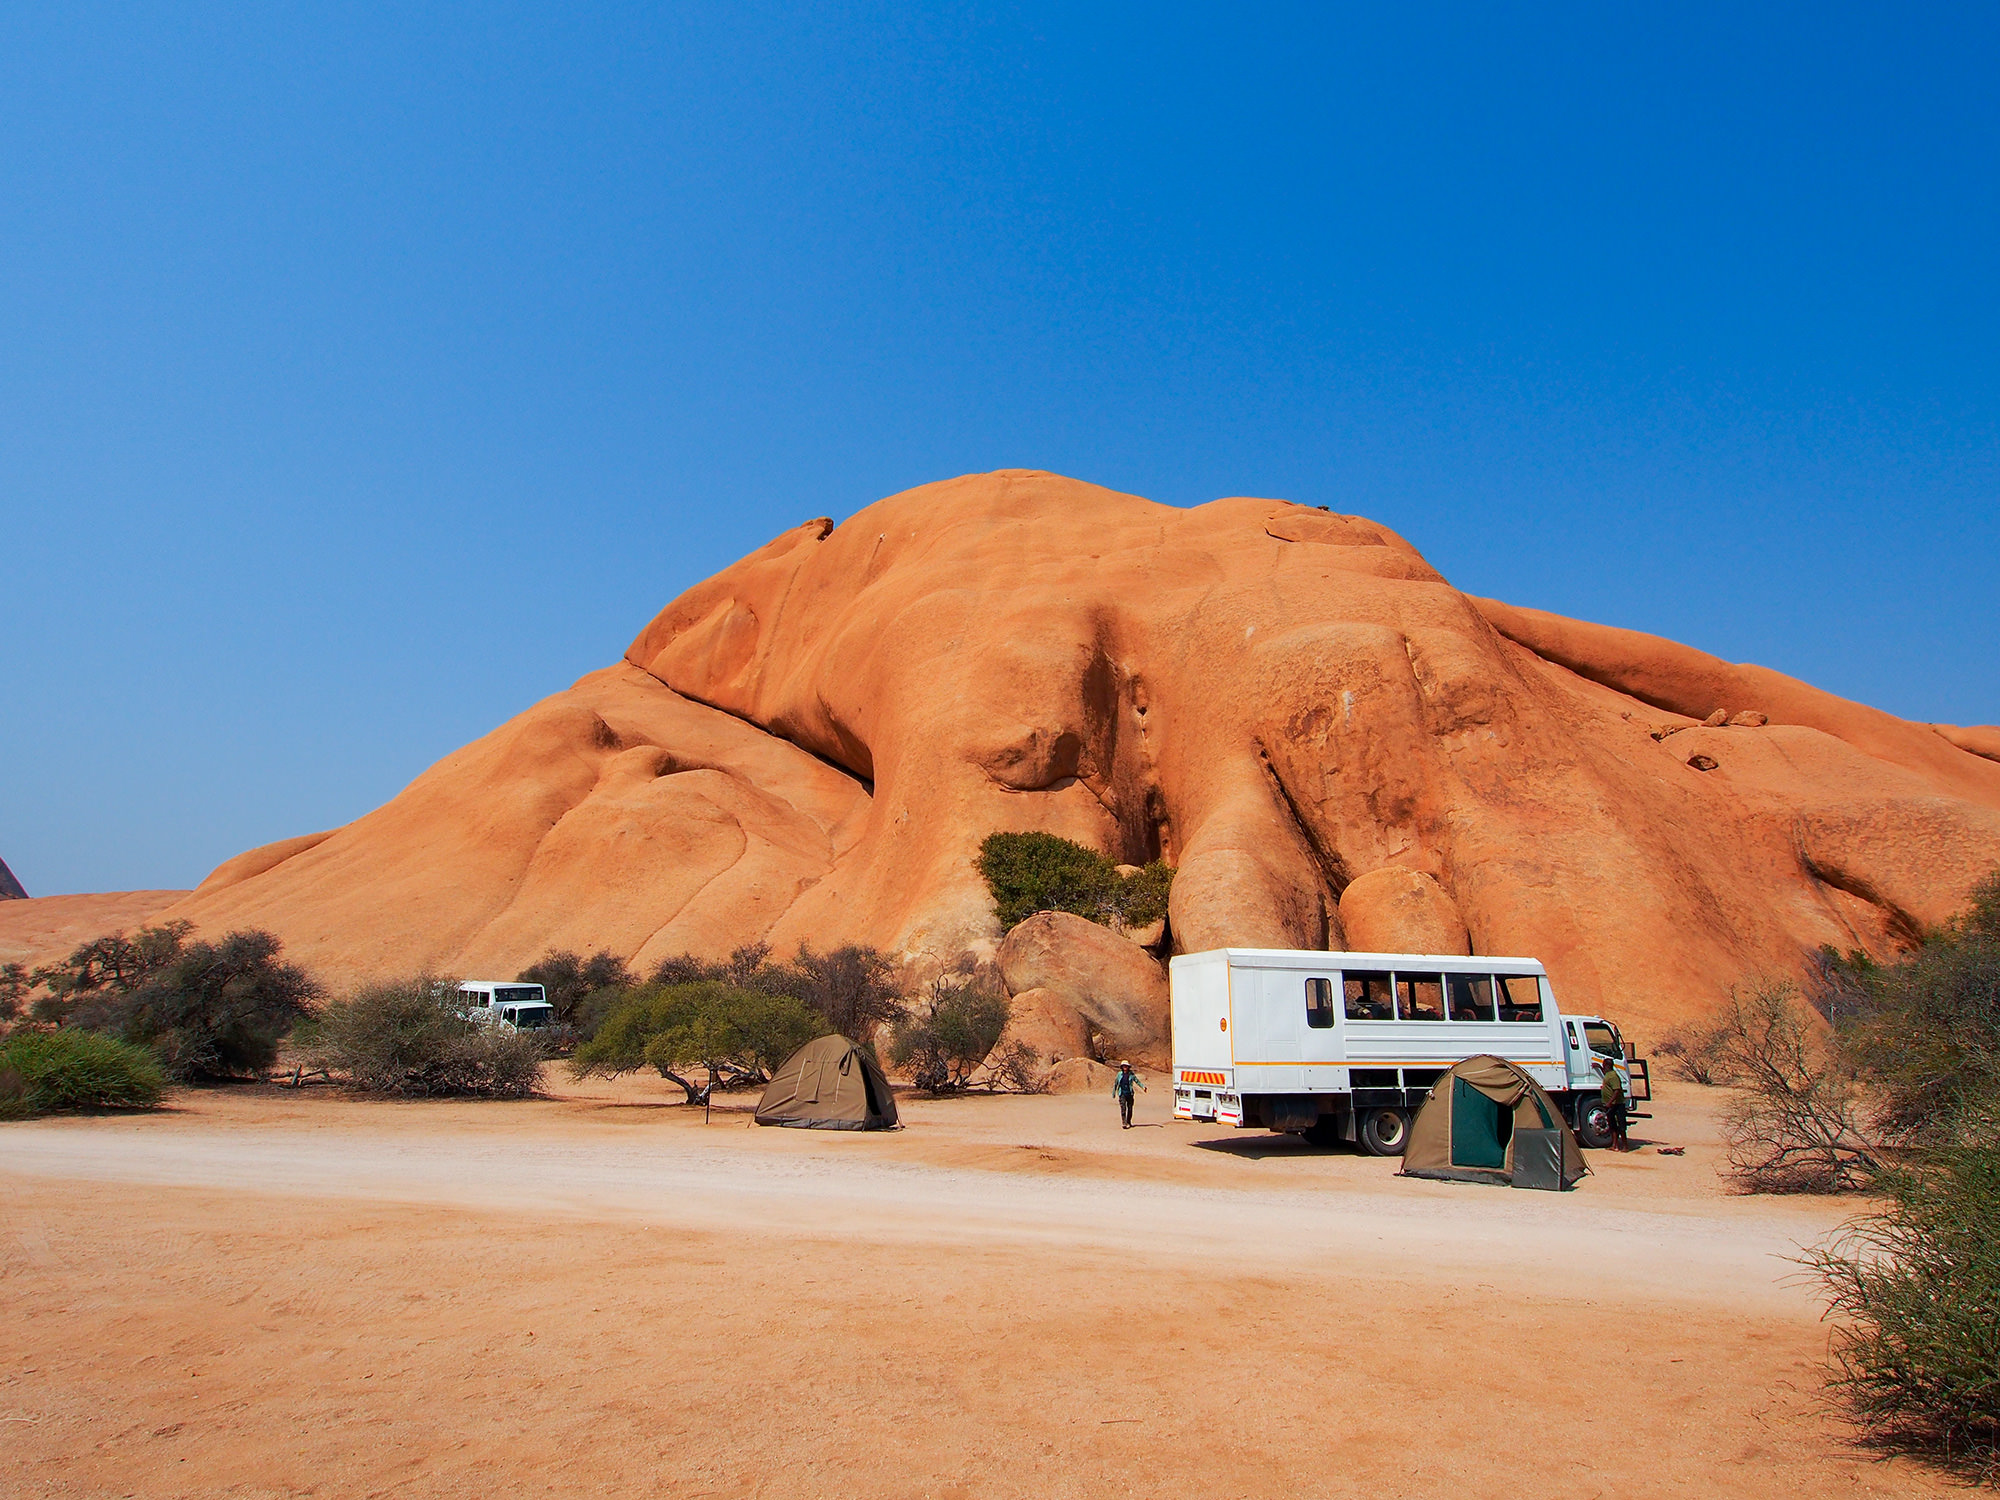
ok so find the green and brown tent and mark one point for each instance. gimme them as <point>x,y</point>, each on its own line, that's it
<point>1487,1121</point>
<point>829,1084</point>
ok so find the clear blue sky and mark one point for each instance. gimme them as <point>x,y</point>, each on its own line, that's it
<point>367,373</point>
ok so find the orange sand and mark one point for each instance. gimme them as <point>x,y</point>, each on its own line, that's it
<point>273,1293</point>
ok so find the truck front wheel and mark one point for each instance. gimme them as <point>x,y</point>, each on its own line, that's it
<point>1385,1132</point>
<point>1593,1123</point>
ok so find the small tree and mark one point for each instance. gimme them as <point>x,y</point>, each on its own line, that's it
<point>852,989</point>
<point>1794,1126</point>
<point>104,969</point>
<point>949,1035</point>
<point>215,1010</point>
<point>731,1034</point>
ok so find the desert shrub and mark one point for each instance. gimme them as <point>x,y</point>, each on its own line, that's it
<point>412,1037</point>
<point>1794,1126</point>
<point>1031,872</point>
<point>1930,1045</point>
<point>569,980</point>
<point>1918,1359</point>
<point>214,1010</point>
<point>44,1071</point>
<point>1016,1068</point>
<point>945,1039</point>
<point>733,1034</point>
<point>1698,1052</point>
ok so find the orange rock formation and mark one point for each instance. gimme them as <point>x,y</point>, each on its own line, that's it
<point>1288,705</point>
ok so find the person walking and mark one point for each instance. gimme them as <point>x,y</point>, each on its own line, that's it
<point>1612,1092</point>
<point>1124,1088</point>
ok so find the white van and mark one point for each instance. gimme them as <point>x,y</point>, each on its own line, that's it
<point>1344,1046</point>
<point>507,1002</point>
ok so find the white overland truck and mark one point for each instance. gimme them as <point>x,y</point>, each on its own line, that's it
<point>504,1002</point>
<point>1344,1046</point>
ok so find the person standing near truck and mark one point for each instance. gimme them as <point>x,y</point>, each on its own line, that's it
<point>1124,1088</point>
<point>1612,1092</point>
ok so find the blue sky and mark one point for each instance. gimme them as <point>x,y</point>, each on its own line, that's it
<point>368,373</point>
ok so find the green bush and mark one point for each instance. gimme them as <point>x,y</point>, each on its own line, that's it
<point>1930,1044</point>
<point>413,1037</point>
<point>46,1071</point>
<point>733,1034</point>
<point>1919,1359</point>
<point>1031,872</point>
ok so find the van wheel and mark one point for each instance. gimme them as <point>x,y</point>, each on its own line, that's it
<point>1385,1132</point>
<point>1593,1123</point>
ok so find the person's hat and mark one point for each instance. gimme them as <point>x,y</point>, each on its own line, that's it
<point>1124,1064</point>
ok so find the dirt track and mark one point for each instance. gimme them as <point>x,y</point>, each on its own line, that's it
<point>265,1293</point>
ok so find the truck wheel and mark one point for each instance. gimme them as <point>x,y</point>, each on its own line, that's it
<point>1385,1132</point>
<point>1593,1123</point>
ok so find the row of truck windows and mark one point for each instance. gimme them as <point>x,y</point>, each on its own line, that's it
<point>1385,996</point>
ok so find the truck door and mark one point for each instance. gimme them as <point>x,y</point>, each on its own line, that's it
<point>1320,1038</point>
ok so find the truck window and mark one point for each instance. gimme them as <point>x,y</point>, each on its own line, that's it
<point>1470,996</point>
<point>1367,996</point>
<point>1520,997</point>
<point>1419,997</point>
<point>1319,1003</point>
<point>1602,1039</point>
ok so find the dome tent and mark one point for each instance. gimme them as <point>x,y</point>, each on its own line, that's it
<point>829,1084</point>
<point>1487,1121</point>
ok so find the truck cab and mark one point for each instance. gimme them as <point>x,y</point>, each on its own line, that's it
<point>1590,1044</point>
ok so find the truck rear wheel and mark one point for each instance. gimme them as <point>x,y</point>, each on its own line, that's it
<point>1385,1132</point>
<point>1593,1123</point>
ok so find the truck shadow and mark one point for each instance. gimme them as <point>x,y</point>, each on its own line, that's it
<point>1277,1145</point>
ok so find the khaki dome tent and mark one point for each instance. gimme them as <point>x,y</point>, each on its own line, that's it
<point>830,1084</point>
<point>1487,1121</point>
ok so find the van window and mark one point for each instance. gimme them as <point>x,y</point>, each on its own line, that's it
<point>1367,996</point>
<point>1470,996</point>
<point>1319,1003</point>
<point>1419,997</point>
<point>1520,997</point>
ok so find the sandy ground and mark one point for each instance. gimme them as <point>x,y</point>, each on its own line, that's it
<point>42,929</point>
<point>267,1292</point>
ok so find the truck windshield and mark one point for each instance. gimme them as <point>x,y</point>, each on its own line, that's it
<point>1602,1037</point>
<point>529,1017</point>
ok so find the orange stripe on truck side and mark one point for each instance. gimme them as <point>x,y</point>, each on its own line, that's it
<point>1394,1062</point>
